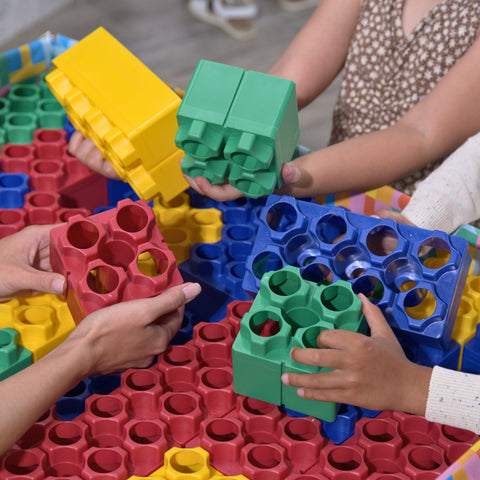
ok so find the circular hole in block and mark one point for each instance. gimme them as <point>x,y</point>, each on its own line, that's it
<point>237,270</point>
<point>331,229</point>
<point>116,253</point>
<point>217,378</point>
<point>301,317</point>
<point>132,218</point>
<point>172,236</point>
<point>382,240</point>
<point>424,457</point>
<point>265,324</point>
<point>337,297</point>
<point>239,233</point>
<point>82,234</point>
<point>104,461</point>
<point>213,332</point>
<point>180,404</point>
<point>9,217</point>
<point>309,337</point>
<point>370,286</point>
<point>24,90</point>
<point>352,262</point>
<point>77,389</point>
<point>141,380</point>
<point>378,430</point>
<point>5,338</point>
<point>402,275</point>
<point>11,180</point>
<point>222,430</point>
<point>284,283</point>
<point>106,407</point>
<point>300,429</point>
<point>208,251</point>
<point>65,433</point>
<point>474,283</point>
<point>46,167</point>
<point>19,120</point>
<point>17,151</point>
<point>281,217</point>
<point>264,456</point>
<point>301,250</point>
<point>145,432</point>
<point>420,303</point>
<point>50,135</point>
<point>265,262</point>
<point>187,461</point>
<point>344,458</point>
<point>32,438</point>
<point>153,262</point>
<point>241,308</point>
<point>37,315</point>
<point>434,253</point>
<point>50,106</point>
<point>318,272</point>
<point>257,407</point>
<point>205,217</point>
<point>179,355</point>
<point>457,434</point>
<point>21,462</point>
<point>102,279</point>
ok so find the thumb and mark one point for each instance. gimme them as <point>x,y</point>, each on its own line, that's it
<point>40,281</point>
<point>375,319</point>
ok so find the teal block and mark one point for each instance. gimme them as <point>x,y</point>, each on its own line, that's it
<point>205,107</point>
<point>19,127</point>
<point>13,356</point>
<point>288,312</point>
<point>214,170</point>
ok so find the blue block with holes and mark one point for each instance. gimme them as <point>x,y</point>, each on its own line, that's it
<point>415,276</point>
<point>13,188</point>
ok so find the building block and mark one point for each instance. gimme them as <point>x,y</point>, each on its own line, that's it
<point>13,356</point>
<point>19,127</point>
<point>23,97</point>
<point>131,117</point>
<point>240,125</point>
<point>11,221</point>
<point>13,188</point>
<point>289,311</point>
<point>115,255</point>
<point>415,276</point>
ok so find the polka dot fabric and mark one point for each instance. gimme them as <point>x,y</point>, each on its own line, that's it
<point>386,73</point>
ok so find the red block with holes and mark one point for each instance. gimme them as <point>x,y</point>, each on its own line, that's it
<point>113,256</point>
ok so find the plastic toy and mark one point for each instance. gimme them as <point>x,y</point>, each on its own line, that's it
<point>116,255</point>
<point>13,356</point>
<point>415,276</point>
<point>127,111</point>
<point>240,125</point>
<point>289,311</point>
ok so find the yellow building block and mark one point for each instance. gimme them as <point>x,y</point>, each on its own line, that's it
<point>42,322</point>
<point>188,464</point>
<point>127,111</point>
<point>182,226</point>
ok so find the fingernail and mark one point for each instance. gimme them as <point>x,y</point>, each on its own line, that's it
<point>374,216</point>
<point>191,290</point>
<point>58,285</point>
<point>301,392</point>
<point>284,379</point>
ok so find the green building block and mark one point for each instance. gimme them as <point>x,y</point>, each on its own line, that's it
<point>238,125</point>
<point>289,311</point>
<point>24,97</point>
<point>19,127</point>
<point>13,356</point>
<point>4,108</point>
<point>50,113</point>
<point>204,109</point>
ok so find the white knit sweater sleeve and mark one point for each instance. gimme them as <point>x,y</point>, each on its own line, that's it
<point>450,196</point>
<point>454,399</point>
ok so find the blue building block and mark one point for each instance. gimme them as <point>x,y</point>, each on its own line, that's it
<point>471,354</point>
<point>13,188</point>
<point>415,276</point>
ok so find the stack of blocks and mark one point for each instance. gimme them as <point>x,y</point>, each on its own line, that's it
<point>112,256</point>
<point>131,117</point>
<point>238,125</point>
<point>287,312</point>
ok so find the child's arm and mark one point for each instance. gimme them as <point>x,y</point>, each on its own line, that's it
<point>367,371</point>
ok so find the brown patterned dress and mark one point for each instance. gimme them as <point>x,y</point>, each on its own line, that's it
<point>387,73</point>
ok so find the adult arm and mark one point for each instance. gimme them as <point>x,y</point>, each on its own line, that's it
<point>112,339</point>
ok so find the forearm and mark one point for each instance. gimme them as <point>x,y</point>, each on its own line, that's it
<point>361,163</point>
<point>28,394</point>
<point>458,178</point>
<point>453,399</point>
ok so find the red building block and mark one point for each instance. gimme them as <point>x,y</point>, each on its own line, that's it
<point>113,256</point>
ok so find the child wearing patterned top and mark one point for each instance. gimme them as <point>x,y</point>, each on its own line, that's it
<point>407,97</point>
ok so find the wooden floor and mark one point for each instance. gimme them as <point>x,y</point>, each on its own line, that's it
<point>170,42</point>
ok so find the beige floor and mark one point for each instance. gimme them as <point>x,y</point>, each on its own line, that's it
<point>170,42</point>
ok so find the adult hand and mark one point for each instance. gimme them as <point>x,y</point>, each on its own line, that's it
<point>396,216</point>
<point>130,334</point>
<point>366,371</point>
<point>25,264</point>
<point>88,154</point>
<point>220,192</point>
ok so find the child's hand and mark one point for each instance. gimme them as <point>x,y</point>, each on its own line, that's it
<point>222,193</point>
<point>367,371</point>
<point>88,154</point>
<point>396,216</point>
